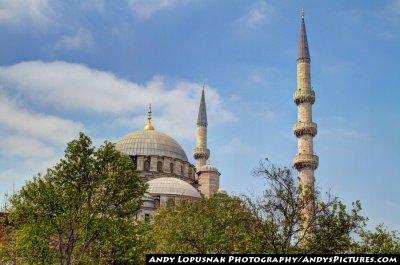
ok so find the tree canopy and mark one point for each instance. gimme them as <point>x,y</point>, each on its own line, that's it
<point>270,223</point>
<point>79,211</point>
<point>219,224</point>
<point>82,211</point>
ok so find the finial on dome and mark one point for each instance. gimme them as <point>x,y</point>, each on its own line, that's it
<point>204,84</point>
<point>148,125</point>
<point>302,12</point>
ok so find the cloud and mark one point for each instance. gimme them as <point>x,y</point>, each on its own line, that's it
<point>235,146</point>
<point>146,8</point>
<point>22,146</point>
<point>18,12</point>
<point>76,88</point>
<point>30,141</point>
<point>82,39</point>
<point>255,15</point>
<point>15,120</point>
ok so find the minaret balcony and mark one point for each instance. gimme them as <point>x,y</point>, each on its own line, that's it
<point>301,96</point>
<point>301,161</point>
<point>201,152</point>
<point>305,128</point>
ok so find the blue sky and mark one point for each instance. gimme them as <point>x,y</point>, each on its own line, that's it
<point>94,66</point>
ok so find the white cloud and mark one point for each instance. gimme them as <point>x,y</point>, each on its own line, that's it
<point>23,146</point>
<point>18,12</point>
<point>255,15</point>
<point>75,87</point>
<point>235,146</point>
<point>82,39</point>
<point>146,8</point>
<point>48,128</point>
<point>29,141</point>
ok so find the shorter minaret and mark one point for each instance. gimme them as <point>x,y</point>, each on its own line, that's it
<point>207,175</point>
<point>201,153</point>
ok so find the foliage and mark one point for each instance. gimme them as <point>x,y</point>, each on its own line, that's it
<point>380,241</point>
<point>79,211</point>
<point>282,226</point>
<point>215,225</point>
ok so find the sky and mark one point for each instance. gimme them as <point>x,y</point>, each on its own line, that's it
<point>94,66</point>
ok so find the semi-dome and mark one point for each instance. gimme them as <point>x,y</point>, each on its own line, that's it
<point>172,186</point>
<point>150,142</point>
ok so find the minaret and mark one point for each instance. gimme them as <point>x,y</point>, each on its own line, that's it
<point>305,129</point>
<point>207,175</point>
<point>201,153</point>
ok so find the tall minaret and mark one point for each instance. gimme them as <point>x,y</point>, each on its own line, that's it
<point>305,129</point>
<point>201,153</point>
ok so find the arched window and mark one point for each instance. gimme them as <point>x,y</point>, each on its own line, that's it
<point>134,162</point>
<point>159,166</point>
<point>147,165</point>
<point>182,170</point>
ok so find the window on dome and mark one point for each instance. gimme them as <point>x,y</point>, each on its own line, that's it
<point>171,167</point>
<point>159,166</point>
<point>134,162</point>
<point>147,165</point>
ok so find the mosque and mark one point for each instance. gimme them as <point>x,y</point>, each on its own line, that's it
<point>164,166</point>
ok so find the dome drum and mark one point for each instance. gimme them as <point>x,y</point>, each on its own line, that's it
<point>157,166</point>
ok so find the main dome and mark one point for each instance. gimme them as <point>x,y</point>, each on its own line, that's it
<point>150,142</point>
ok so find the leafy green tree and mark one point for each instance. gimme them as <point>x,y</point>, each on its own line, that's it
<point>79,211</point>
<point>380,241</point>
<point>270,223</point>
<point>280,221</point>
<point>219,224</point>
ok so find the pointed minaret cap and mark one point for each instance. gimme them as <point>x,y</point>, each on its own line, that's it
<point>202,117</point>
<point>148,125</point>
<point>303,52</point>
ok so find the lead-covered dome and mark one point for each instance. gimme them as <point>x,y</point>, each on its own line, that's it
<point>150,142</point>
<point>171,186</point>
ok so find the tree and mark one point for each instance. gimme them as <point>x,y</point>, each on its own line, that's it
<point>215,225</point>
<point>271,223</point>
<point>380,241</point>
<point>280,222</point>
<point>78,211</point>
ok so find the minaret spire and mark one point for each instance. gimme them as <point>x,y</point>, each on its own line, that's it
<point>201,153</point>
<point>305,129</point>
<point>303,52</point>
<point>202,116</point>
